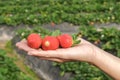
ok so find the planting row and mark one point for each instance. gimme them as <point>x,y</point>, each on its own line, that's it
<point>34,12</point>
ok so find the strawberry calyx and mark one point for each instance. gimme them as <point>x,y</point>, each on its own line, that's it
<point>75,39</point>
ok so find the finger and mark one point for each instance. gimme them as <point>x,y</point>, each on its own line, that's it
<point>83,41</point>
<point>50,55</point>
<point>23,45</point>
<point>22,41</point>
<point>60,53</point>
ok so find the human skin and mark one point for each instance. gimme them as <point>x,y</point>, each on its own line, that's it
<point>85,51</point>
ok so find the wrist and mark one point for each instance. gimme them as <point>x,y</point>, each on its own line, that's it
<point>107,62</point>
<point>97,56</point>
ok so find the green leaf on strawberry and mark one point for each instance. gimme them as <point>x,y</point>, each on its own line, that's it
<point>56,33</point>
<point>75,39</point>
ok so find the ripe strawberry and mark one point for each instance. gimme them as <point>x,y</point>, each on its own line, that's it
<point>34,40</point>
<point>65,40</point>
<point>50,43</point>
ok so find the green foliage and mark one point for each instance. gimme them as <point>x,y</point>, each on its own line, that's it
<point>56,33</point>
<point>82,71</point>
<point>75,39</point>
<point>8,47</point>
<point>35,12</point>
<point>9,70</point>
<point>23,33</point>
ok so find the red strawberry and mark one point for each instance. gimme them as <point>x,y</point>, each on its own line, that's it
<point>65,40</point>
<point>50,43</point>
<point>34,40</point>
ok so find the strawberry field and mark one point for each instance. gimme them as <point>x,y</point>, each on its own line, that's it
<point>84,13</point>
<point>15,12</point>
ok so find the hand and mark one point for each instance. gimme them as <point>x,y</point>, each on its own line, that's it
<point>85,51</point>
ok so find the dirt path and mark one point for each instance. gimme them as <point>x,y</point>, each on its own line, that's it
<point>2,45</point>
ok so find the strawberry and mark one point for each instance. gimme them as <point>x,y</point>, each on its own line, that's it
<point>50,43</point>
<point>65,40</point>
<point>34,40</point>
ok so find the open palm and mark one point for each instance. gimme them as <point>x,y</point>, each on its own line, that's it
<point>85,51</point>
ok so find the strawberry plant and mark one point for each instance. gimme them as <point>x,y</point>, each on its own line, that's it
<point>105,38</point>
<point>9,70</point>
